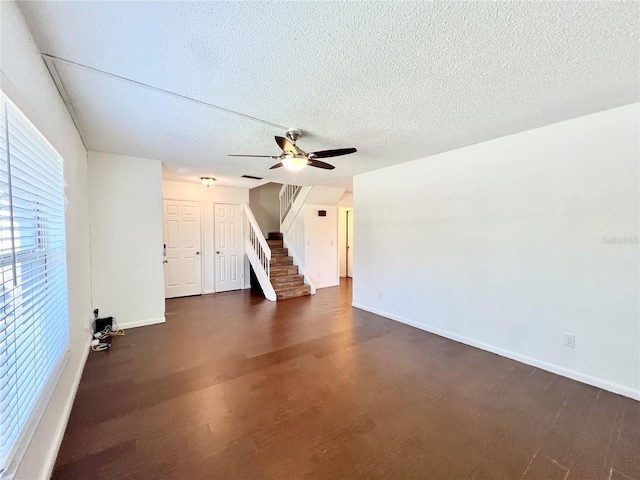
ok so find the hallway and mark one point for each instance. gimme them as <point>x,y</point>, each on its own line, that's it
<point>234,386</point>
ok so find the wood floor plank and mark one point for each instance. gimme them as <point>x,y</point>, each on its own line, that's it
<point>234,386</point>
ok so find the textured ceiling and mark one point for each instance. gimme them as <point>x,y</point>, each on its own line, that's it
<point>396,80</point>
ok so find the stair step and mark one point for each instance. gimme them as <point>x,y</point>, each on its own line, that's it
<point>274,243</point>
<point>275,236</point>
<point>282,279</point>
<point>281,260</point>
<point>278,287</point>
<point>292,292</point>
<point>287,286</point>
<point>282,270</point>
<point>279,252</point>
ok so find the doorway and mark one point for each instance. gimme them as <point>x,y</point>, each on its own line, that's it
<point>345,241</point>
<point>349,244</point>
<point>182,246</point>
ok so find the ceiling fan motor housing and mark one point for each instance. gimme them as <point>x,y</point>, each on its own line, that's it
<point>294,134</point>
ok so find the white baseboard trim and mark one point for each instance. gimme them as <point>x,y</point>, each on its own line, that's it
<point>206,292</point>
<point>326,285</point>
<point>142,323</point>
<point>549,367</point>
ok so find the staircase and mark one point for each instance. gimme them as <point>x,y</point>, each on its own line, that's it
<point>284,276</point>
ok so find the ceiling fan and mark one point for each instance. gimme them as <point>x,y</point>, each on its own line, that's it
<point>294,158</point>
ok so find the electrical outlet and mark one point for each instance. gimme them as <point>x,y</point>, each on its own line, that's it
<point>569,340</point>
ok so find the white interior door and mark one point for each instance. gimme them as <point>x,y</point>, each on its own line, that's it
<point>228,244</point>
<point>182,254</point>
<point>349,243</point>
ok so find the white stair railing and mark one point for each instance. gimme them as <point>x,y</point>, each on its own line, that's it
<point>288,194</point>
<point>258,252</point>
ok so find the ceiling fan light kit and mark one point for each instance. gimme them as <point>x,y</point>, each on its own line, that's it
<point>207,181</point>
<point>293,158</point>
<point>294,163</point>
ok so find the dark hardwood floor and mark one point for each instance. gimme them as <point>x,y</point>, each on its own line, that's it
<point>234,386</point>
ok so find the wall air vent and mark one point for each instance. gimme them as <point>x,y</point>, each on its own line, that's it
<point>251,177</point>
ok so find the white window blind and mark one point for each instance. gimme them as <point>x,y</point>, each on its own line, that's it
<point>33,303</point>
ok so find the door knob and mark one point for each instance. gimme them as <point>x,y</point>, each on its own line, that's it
<point>218,251</point>
<point>197,253</point>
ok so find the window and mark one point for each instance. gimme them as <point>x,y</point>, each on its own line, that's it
<point>33,296</point>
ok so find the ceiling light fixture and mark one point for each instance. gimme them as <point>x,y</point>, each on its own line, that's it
<point>207,181</point>
<point>293,162</point>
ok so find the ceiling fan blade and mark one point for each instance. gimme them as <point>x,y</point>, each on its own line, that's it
<point>277,165</point>
<point>319,164</point>
<point>255,156</point>
<point>286,145</point>
<point>332,153</point>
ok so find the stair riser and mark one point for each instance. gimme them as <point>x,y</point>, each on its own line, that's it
<point>274,243</point>
<point>287,279</point>
<point>281,261</point>
<point>282,297</point>
<point>281,271</point>
<point>279,252</point>
<point>298,292</point>
<point>284,286</point>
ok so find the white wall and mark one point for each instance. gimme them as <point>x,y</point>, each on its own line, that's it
<point>500,245</point>
<point>321,249</point>
<point>25,79</point>
<point>346,200</point>
<point>126,238</point>
<point>320,195</point>
<point>295,238</point>
<point>265,206</point>
<point>208,197</point>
